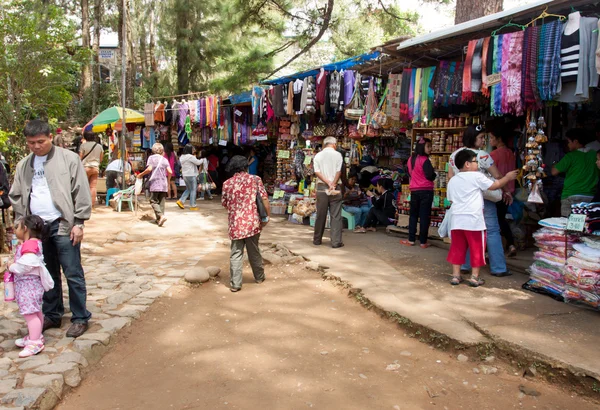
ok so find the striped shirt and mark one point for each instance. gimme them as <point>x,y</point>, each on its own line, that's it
<point>569,57</point>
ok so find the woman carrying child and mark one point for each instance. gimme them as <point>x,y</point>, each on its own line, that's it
<point>422,176</point>
<point>32,279</point>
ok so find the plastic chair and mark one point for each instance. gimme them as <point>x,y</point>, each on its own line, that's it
<point>126,195</point>
<point>350,218</point>
<point>109,193</point>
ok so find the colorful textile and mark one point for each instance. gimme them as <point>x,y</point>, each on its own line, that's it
<point>417,94</point>
<point>442,81</point>
<point>512,102</point>
<point>549,60</point>
<point>496,91</point>
<point>411,94</point>
<point>404,94</point>
<point>393,97</point>
<point>485,90</point>
<point>476,67</point>
<point>531,95</point>
<point>455,95</point>
<point>427,93</point>
<point>467,94</point>
<point>239,197</point>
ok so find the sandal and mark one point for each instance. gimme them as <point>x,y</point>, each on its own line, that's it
<point>475,282</point>
<point>425,245</point>
<point>456,281</point>
<point>406,242</point>
<point>512,251</point>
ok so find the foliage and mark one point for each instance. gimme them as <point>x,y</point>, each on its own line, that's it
<point>39,62</point>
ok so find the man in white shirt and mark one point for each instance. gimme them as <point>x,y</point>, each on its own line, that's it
<point>114,173</point>
<point>51,183</point>
<point>328,168</point>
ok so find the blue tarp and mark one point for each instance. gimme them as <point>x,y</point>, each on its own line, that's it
<point>339,65</point>
<point>241,98</point>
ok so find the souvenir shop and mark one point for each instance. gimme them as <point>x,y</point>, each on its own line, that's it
<point>538,74</point>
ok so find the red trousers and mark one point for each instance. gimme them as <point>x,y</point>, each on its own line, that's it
<point>467,240</point>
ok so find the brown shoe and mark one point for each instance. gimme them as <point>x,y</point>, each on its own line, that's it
<point>50,324</point>
<point>77,329</point>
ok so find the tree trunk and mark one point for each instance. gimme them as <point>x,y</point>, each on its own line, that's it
<point>182,45</point>
<point>86,73</point>
<point>151,47</point>
<point>96,48</point>
<point>471,9</point>
<point>131,66</point>
<point>143,57</point>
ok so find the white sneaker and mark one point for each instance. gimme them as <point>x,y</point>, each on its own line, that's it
<point>31,349</point>
<point>25,340</point>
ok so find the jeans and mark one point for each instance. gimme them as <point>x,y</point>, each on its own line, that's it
<point>205,185</point>
<point>494,240</point>
<point>59,252</point>
<point>191,187</point>
<point>504,226</point>
<point>157,202</point>
<point>236,260</point>
<point>420,208</point>
<point>377,217</point>
<point>360,214</point>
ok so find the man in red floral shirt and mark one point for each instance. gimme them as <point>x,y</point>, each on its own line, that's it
<point>239,197</point>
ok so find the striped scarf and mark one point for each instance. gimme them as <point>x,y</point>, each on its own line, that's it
<point>531,96</point>
<point>548,62</point>
<point>467,94</point>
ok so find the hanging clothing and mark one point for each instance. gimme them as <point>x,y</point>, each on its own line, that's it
<point>587,73</point>
<point>290,98</point>
<point>412,94</point>
<point>348,86</point>
<point>393,97</point>
<point>321,88</point>
<point>334,89</point>
<point>496,91</point>
<point>159,112</point>
<point>192,110</point>
<point>427,93</point>
<point>549,60</point>
<point>168,113</point>
<point>298,85</point>
<point>569,57</point>
<point>183,112</point>
<point>531,96</point>
<point>512,102</point>
<point>404,92</point>
<point>467,95</point>
<point>278,101</point>
<point>477,67</point>
<point>310,96</point>
<point>485,90</point>
<point>341,97</point>
<point>418,95</point>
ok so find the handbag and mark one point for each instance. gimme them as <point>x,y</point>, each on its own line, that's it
<point>260,206</point>
<point>380,117</point>
<point>355,107</point>
<point>319,130</point>
<point>353,132</point>
<point>213,186</point>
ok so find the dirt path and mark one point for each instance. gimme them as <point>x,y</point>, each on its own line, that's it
<point>294,342</point>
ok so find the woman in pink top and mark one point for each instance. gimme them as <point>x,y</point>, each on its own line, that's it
<point>505,161</point>
<point>422,176</point>
<point>171,156</point>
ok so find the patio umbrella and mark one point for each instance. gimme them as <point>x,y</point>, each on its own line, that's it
<point>112,116</point>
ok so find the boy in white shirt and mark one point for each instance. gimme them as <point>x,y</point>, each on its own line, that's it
<point>465,191</point>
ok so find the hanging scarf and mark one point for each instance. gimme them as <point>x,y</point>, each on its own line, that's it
<point>496,91</point>
<point>531,94</point>
<point>441,83</point>
<point>485,90</point>
<point>476,68</point>
<point>512,103</point>
<point>193,114</point>
<point>457,84</point>
<point>467,94</point>
<point>393,97</point>
<point>404,92</point>
<point>411,94</point>
<point>417,102</point>
<point>549,60</point>
<point>427,93</point>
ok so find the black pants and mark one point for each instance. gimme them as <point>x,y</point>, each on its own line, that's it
<point>505,231</point>
<point>377,217</point>
<point>420,208</point>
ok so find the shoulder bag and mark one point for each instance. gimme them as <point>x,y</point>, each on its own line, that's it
<point>260,206</point>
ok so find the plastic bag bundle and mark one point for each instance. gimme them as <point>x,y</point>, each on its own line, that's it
<point>583,279</point>
<point>583,264</point>
<point>575,294</point>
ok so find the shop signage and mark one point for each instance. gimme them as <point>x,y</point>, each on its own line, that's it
<point>223,143</point>
<point>278,194</point>
<point>494,79</point>
<point>238,113</point>
<point>307,160</point>
<point>106,54</point>
<point>576,223</point>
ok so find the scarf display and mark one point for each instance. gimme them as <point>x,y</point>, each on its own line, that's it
<point>442,81</point>
<point>485,90</point>
<point>427,93</point>
<point>457,83</point>
<point>417,93</point>
<point>512,103</point>
<point>476,68</point>
<point>411,95</point>
<point>496,91</point>
<point>467,94</point>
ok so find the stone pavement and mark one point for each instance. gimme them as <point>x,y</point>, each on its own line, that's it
<point>125,273</point>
